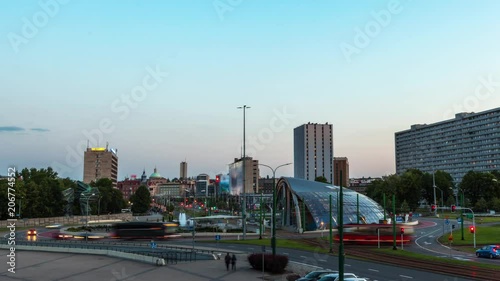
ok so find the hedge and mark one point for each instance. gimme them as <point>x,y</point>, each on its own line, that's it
<point>276,265</point>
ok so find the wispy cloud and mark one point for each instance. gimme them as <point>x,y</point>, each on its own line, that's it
<point>11,129</point>
<point>40,129</point>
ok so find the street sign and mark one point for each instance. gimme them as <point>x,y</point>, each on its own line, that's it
<point>459,220</point>
<point>447,221</point>
<point>153,245</point>
<point>217,237</point>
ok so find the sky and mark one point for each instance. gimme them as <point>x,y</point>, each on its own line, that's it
<point>161,81</point>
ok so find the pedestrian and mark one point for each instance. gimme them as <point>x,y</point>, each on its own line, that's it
<point>233,262</point>
<point>227,259</point>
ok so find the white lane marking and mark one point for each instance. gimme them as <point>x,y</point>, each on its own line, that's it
<point>286,254</point>
<point>322,260</point>
<point>427,243</point>
<point>404,276</point>
<point>304,257</point>
<point>347,264</point>
<point>375,270</point>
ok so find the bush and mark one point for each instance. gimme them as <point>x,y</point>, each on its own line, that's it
<point>276,265</point>
<point>292,277</point>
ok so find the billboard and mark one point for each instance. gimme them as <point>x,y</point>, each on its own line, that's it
<point>224,183</point>
<point>236,178</point>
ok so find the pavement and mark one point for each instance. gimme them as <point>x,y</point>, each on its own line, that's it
<point>49,266</point>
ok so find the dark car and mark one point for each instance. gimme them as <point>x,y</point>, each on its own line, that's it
<point>315,275</point>
<point>489,251</point>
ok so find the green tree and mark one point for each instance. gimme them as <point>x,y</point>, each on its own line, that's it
<point>141,200</point>
<point>321,179</point>
<point>405,208</point>
<point>476,185</point>
<point>481,205</point>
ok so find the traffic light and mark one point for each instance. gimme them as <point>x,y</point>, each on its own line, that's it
<point>402,230</point>
<point>453,208</point>
<point>472,229</point>
<point>217,178</point>
<point>433,208</point>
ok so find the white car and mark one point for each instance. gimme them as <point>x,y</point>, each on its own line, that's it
<point>54,226</point>
<point>335,276</point>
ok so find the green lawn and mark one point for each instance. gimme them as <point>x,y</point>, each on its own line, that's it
<point>484,235</point>
<point>281,243</point>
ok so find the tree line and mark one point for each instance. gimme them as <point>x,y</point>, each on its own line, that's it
<point>481,190</point>
<point>40,193</point>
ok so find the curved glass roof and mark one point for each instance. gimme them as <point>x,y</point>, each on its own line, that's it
<point>316,196</point>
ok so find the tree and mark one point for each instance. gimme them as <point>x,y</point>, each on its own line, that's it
<point>476,185</point>
<point>141,200</point>
<point>321,179</point>
<point>481,205</point>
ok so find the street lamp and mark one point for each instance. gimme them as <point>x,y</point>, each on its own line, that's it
<point>243,211</point>
<point>434,188</point>
<point>99,209</point>
<point>442,202</point>
<point>273,234</point>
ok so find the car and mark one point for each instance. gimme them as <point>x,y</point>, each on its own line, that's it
<point>489,251</point>
<point>54,226</point>
<point>335,276</point>
<point>60,235</point>
<point>355,279</point>
<point>31,231</point>
<point>316,275</point>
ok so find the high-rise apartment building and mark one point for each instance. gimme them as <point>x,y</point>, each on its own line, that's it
<point>470,141</point>
<point>98,163</point>
<point>341,164</point>
<point>251,175</point>
<point>184,170</point>
<point>313,151</point>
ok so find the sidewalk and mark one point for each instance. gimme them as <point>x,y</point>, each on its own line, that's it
<point>45,266</point>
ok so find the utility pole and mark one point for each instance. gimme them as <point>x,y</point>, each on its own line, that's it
<point>341,230</point>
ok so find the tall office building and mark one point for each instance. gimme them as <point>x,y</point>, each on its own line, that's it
<point>98,163</point>
<point>470,141</point>
<point>341,164</point>
<point>251,175</point>
<point>184,170</point>
<point>313,151</point>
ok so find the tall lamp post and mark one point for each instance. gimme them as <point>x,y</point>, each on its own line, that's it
<point>273,231</point>
<point>434,188</point>
<point>243,211</point>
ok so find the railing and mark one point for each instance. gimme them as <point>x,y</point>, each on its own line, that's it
<point>171,255</point>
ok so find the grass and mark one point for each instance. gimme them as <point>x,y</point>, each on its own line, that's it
<point>281,243</point>
<point>485,235</point>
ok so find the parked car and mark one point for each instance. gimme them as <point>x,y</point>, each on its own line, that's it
<point>489,251</point>
<point>315,275</point>
<point>335,276</point>
<point>31,231</point>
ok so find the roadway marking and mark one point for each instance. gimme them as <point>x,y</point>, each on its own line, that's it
<point>404,276</point>
<point>374,270</point>
<point>427,243</point>
<point>286,254</point>
<point>304,257</point>
<point>322,260</point>
<point>347,264</point>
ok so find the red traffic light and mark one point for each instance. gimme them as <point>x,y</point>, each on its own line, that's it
<point>402,230</point>
<point>453,208</point>
<point>217,178</point>
<point>433,207</point>
<point>472,229</point>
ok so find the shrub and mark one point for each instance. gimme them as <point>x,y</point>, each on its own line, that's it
<point>292,277</point>
<point>276,265</point>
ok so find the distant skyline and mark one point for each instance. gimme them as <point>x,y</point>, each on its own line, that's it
<point>161,81</point>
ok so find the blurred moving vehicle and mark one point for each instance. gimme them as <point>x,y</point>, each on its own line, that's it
<point>31,231</point>
<point>62,236</point>
<point>335,276</point>
<point>145,230</point>
<point>489,251</point>
<point>54,226</point>
<point>316,275</point>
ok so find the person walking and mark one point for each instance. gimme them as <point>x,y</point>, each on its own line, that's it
<point>233,262</point>
<point>227,260</point>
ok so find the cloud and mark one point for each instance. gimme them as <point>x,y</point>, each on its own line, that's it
<point>11,129</point>
<point>40,129</point>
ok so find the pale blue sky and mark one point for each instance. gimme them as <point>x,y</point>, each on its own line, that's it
<point>421,64</point>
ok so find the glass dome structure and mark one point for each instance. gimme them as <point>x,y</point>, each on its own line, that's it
<point>299,198</point>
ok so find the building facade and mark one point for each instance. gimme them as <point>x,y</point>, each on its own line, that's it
<point>469,142</point>
<point>183,171</point>
<point>313,151</point>
<point>99,163</point>
<point>341,164</point>
<point>251,175</point>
